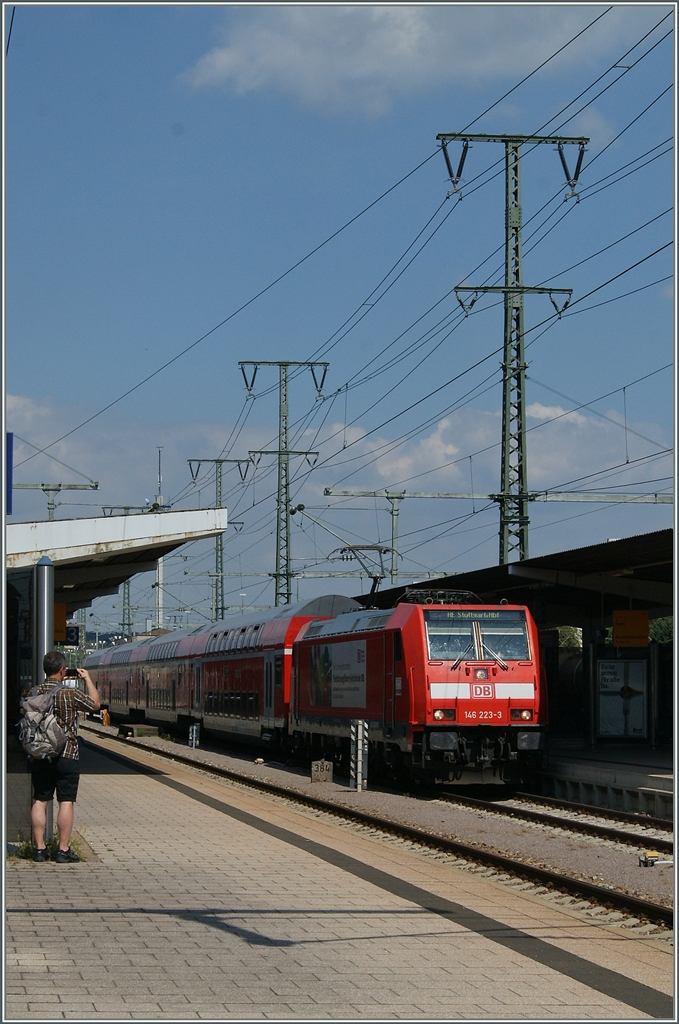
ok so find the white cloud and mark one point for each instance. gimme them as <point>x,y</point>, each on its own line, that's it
<point>359,57</point>
<point>118,452</point>
<point>432,451</point>
<point>537,411</point>
<point>594,126</point>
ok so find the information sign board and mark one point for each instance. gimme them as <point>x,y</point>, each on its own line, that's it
<point>630,628</point>
<point>622,699</point>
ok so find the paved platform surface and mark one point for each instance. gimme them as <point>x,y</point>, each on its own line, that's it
<point>632,755</point>
<point>204,900</point>
<point>626,776</point>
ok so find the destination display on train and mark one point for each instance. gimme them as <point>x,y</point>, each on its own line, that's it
<point>465,614</point>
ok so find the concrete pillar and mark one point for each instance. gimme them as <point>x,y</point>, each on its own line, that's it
<point>43,639</point>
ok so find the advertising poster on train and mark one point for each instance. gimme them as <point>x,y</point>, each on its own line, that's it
<point>337,675</point>
<point>622,698</point>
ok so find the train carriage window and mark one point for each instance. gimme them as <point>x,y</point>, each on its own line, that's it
<point>278,669</point>
<point>398,645</point>
<point>251,705</point>
<point>256,708</point>
<point>236,705</point>
<point>241,638</point>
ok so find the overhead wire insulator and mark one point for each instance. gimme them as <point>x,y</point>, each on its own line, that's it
<point>572,179</point>
<point>455,177</point>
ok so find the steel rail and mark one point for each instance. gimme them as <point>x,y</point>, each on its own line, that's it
<point>602,895</point>
<point>602,812</point>
<point>573,824</point>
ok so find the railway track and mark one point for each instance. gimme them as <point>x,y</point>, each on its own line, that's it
<point>643,820</point>
<point>570,821</point>
<point>602,895</point>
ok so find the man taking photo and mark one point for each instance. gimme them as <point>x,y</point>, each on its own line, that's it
<point>63,772</point>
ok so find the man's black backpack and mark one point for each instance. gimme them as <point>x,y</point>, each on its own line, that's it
<point>40,734</point>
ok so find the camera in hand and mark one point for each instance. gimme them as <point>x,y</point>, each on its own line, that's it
<point>72,678</point>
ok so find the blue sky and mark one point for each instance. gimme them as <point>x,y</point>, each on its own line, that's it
<point>164,164</point>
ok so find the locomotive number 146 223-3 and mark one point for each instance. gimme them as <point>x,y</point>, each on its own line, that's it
<point>481,716</point>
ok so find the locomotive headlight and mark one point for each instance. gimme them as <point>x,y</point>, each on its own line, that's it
<point>526,715</point>
<point>438,714</point>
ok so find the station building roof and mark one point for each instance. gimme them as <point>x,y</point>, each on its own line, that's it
<point>93,557</point>
<point>574,586</point>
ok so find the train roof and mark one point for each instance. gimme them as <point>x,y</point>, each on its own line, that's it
<point>328,605</point>
<point>350,622</point>
<point>167,645</point>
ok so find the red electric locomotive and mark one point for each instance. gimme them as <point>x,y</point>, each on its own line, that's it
<point>451,688</point>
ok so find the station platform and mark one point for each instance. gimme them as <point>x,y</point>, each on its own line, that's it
<point>201,899</point>
<point>624,777</point>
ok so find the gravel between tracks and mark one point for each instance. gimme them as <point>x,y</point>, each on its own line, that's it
<point>601,861</point>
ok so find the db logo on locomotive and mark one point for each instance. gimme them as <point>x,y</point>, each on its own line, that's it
<point>483,690</point>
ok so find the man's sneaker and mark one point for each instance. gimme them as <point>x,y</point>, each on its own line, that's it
<point>41,855</point>
<point>67,857</point>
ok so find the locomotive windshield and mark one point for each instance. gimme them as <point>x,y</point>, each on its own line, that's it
<point>478,634</point>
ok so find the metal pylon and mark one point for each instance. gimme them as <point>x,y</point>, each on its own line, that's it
<point>283,561</point>
<point>126,624</point>
<point>218,602</point>
<point>514,497</point>
<point>514,476</point>
<point>283,574</point>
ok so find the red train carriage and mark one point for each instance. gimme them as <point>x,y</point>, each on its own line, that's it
<point>233,675</point>
<point>452,692</point>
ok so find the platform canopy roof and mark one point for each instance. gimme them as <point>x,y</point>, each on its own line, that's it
<point>572,587</point>
<point>94,557</point>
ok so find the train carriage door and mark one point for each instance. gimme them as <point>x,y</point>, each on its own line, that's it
<point>388,684</point>
<point>196,689</point>
<point>268,715</point>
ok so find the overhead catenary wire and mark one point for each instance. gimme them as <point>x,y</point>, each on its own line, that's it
<point>9,34</point>
<point>261,292</point>
<point>327,412</point>
<point>394,444</point>
<point>635,120</point>
<point>241,308</point>
<point>54,459</point>
<point>207,334</point>
<point>589,293</point>
<point>577,407</point>
<point>552,318</point>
